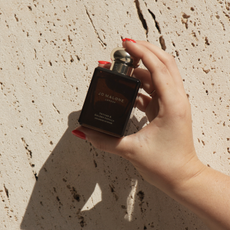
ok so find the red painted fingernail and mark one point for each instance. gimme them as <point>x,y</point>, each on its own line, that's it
<point>128,39</point>
<point>79,134</point>
<point>103,62</point>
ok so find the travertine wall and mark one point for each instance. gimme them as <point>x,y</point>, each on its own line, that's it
<point>49,179</point>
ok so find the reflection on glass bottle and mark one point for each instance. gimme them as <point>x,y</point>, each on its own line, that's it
<point>111,96</point>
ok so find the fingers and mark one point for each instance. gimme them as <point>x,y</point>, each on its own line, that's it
<point>148,105</point>
<point>160,75</point>
<point>142,102</point>
<point>168,60</point>
<point>107,143</point>
<point>142,74</point>
<point>145,77</point>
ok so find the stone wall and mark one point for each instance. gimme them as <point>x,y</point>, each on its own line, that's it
<point>49,179</point>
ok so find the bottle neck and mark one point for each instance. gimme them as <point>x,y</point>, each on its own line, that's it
<point>122,68</point>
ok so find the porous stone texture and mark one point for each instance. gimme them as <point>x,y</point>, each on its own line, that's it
<point>50,179</point>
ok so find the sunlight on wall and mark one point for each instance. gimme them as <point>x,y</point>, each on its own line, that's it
<point>131,200</point>
<point>94,199</point>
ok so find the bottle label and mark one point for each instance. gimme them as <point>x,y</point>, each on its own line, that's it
<point>111,98</point>
<point>104,118</point>
<point>109,102</point>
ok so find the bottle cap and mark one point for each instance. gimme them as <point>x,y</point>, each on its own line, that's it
<point>123,62</point>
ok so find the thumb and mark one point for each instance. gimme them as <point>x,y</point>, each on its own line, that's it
<point>119,146</point>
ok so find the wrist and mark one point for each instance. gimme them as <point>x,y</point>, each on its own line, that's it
<point>192,177</point>
<point>189,172</point>
<point>184,176</point>
<point>205,192</point>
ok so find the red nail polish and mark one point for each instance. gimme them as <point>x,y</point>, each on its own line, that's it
<point>128,39</point>
<point>79,134</point>
<point>104,62</point>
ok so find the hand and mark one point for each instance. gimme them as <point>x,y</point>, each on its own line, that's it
<point>163,151</point>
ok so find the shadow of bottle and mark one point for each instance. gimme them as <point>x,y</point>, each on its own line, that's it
<point>67,180</point>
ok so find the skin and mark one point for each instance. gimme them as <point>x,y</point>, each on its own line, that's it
<point>163,151</point>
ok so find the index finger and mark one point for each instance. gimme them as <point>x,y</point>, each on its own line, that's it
<point>160,75</point>
<point>168,60</point>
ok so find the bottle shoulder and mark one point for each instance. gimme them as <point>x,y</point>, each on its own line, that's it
<point>110,72</point>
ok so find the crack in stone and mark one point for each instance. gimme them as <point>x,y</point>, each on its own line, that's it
<point>55,108</point>
<point>145,26</point>
<point>141,17</point>
<point>29,156</point>
<point>161,39</point>
<point>156,22</point>
<point>6,191</point>
<point>95,30</point>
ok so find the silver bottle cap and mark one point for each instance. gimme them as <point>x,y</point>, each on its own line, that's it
<point>123,62</point>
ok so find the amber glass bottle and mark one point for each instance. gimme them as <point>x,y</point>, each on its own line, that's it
<point>111,96</point>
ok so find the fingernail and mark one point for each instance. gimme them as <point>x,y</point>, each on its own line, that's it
<point>79,134</point>
<point>128,39</point>
<point>103,62</point>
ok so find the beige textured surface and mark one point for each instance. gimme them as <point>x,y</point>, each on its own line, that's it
<point>48,51</point>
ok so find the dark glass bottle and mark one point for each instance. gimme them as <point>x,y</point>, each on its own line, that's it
<point>111,95</point>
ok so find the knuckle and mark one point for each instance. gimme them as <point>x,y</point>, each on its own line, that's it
<point>181,110</point>
<point>178,107</point>
<point>163,69</point>
<point>98,144</point>
<point>169,59</point>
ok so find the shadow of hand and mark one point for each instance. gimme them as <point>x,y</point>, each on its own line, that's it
<point>67,180</point>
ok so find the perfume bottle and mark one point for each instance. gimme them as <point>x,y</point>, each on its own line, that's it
<point>111,95</point>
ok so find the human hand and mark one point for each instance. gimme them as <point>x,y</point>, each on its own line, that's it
<point>163,151</point>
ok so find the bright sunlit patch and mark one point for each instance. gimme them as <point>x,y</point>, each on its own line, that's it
<point>131,200</point>
<point>94,199</point>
